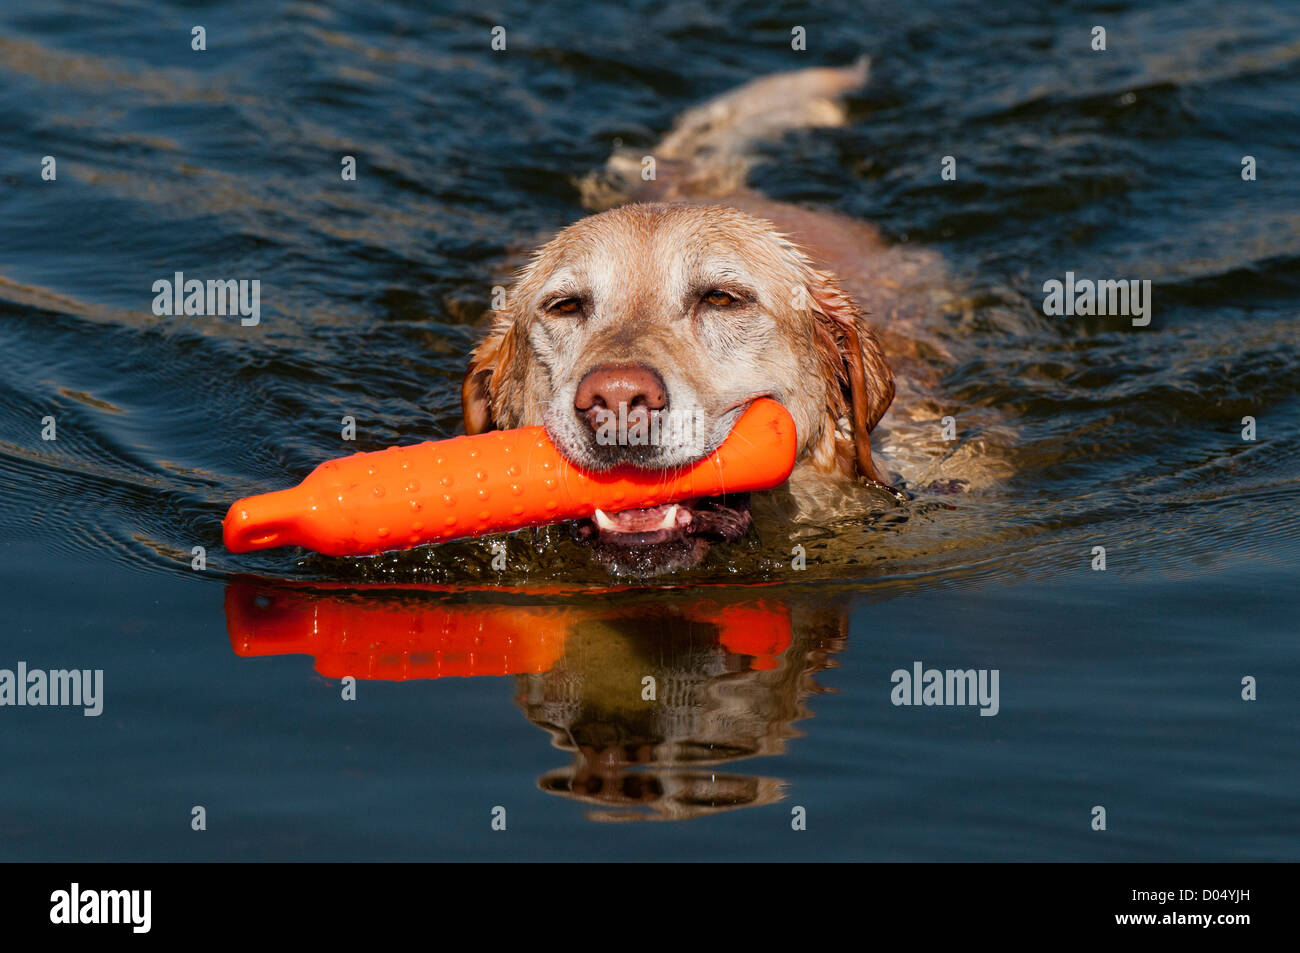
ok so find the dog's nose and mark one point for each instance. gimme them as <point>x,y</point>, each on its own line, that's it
<point>608,386</point>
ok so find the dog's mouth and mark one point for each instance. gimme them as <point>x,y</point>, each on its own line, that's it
<point>659,539</point>
<point>653,540</point>
<point>715,518</point>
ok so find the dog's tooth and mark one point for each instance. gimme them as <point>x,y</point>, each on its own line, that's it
<point>670,518</point>
<point>603,521</point>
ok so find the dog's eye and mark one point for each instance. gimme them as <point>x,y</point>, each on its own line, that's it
<point>566,306</point>
<point>719,299</point>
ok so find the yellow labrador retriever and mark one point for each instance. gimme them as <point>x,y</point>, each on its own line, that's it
<point>638,335</point>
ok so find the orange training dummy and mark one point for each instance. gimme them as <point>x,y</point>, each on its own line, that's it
<point>491,483</point>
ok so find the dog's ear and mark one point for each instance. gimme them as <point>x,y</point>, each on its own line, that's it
<point>489,371</point>
<point>853,359</point>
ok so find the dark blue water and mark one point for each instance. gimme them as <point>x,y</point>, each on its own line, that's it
<point>1120,689</point>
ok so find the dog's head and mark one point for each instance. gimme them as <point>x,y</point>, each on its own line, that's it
<point>639,336</point>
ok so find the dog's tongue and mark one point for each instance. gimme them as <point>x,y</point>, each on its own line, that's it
<point>647,520</point>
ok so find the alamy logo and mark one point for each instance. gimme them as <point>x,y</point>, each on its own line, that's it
<point>194,298</point>
<point>83,688</point>
<point>102,906</point>
<point>641,429</point>
<point>932,686</point>
<point>1105,297</point>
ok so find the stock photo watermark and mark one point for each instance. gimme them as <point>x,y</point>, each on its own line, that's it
<point>179,296</point>
<point>639,428</point>
<point>946,687</point>
<point>1084,297</point>
<point>102,907</point>
<point>58,688</point>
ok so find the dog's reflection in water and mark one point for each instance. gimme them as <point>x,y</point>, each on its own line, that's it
<point>658,701</point>
<point>724,688</point>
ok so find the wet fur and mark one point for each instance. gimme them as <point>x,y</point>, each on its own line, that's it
<point>814,273</point>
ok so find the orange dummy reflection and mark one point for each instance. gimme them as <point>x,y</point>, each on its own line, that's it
<point>653,692</point>
<point>398,633</point>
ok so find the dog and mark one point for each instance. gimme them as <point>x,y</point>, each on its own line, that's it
<point>688,295</point>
